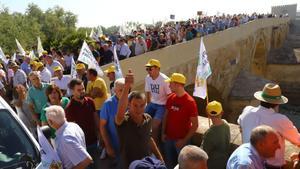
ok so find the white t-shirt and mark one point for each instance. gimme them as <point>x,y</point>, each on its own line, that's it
<point>68,60</point>
<point>63,82</point>
<point>45,75</point>
<point>158,88</point>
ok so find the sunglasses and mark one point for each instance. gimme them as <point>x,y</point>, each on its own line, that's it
<point>149,69</point>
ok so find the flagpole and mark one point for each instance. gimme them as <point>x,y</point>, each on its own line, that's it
<point>207,101</point>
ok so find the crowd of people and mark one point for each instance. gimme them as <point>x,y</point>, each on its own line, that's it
<point>90,122</point>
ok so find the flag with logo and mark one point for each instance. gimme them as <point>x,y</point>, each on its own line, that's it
<point>203,72</point>
<point>86,56</point>
<point>20,48</point>
<point>40,48</point>
<point>73,69</point>
<point>48,154</point>
<point>118,72</point>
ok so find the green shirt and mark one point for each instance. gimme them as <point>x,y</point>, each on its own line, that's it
<point>63,102</point>
<point>216,143</point>
<point>37,97</point>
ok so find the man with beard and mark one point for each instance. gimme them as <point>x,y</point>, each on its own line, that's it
<point>81,110</point>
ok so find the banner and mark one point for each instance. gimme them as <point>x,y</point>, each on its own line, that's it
<point>48,154</point>
<point>20,48</point>
<point>73,69</point>
<point>203,72</point>
<point>118,72</point>
<point>87,57</point>
<point>40,47</point>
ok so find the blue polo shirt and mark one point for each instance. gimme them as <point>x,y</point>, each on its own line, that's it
<point>37,97</point>
<point>245,157</point>
<point>108,113</point>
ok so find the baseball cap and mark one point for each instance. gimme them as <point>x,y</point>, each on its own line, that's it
<point>153,62</point>
<point>38,64</point>
<point>56,68</point>
<point>80,66</point>
<point>177,77</point>
<point>214,108</point>
<point>110,69</point>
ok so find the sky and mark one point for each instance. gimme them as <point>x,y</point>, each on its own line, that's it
<point>91,13</point>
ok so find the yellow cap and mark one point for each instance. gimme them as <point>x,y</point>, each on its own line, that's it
<point>39,64</point>
<point>80,66</point>
<point>44,52</point>
<point>177,77</point>
<point>32,62</point>
<point>110,69</point>
<point>56,68</point>
<point>214,108</point>
<point>153,62</point>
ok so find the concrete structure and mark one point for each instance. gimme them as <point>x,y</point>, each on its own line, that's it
<point>291,10</point>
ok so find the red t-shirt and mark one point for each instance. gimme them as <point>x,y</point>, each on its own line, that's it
<point>180,111</point>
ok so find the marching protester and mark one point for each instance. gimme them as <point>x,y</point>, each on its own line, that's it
<point>216,140</point>
<point>70,140</point>
<point>157,91</point>
<point>81,73</point>
<point>107,123</point>
<point>192,157</point>
<point>134,125</point>
<point>81,110</point>
<point>61,80</point>
<point>36,95</point>
<point>44,72</point>
<point>267,113</point>
<point>51,63</point>
<point>96,88</point>
<point>20,76</point>
<point>110,73</point>
<point>263,144</point>
<point>180,120</point>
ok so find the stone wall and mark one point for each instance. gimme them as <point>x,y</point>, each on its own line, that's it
<point>230,51</point>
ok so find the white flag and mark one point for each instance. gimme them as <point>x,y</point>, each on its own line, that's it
<point>40,47</point>
<point>87,57</point>
<point>73,69</point>
<point>20,48</point>
<point>3,57</point>
<point>14,57</point>
<point>99,31</point>
<point>93,35</point>
<point>48,154</point>
<point>203,72</point>
<point>32,55</point>
<point>118,72</point>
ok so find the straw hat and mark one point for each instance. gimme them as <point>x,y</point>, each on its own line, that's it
<point>271,93</point>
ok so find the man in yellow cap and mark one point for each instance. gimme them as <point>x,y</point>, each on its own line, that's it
<point>180,120</point>
<point>110,73</point>
<point>61,80</point>
<point>157,91</point>
<point>81,73</point>
<point>267,113</point>
<point>44,72</point>
<point>216,140</point>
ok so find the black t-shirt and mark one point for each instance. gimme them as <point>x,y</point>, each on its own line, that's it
<point>106,57</point>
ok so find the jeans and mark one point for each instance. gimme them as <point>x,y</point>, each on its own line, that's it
<point>171,153</point>
<point>94,151</point>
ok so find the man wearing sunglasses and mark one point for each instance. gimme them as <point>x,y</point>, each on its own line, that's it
<point>157,91</point>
